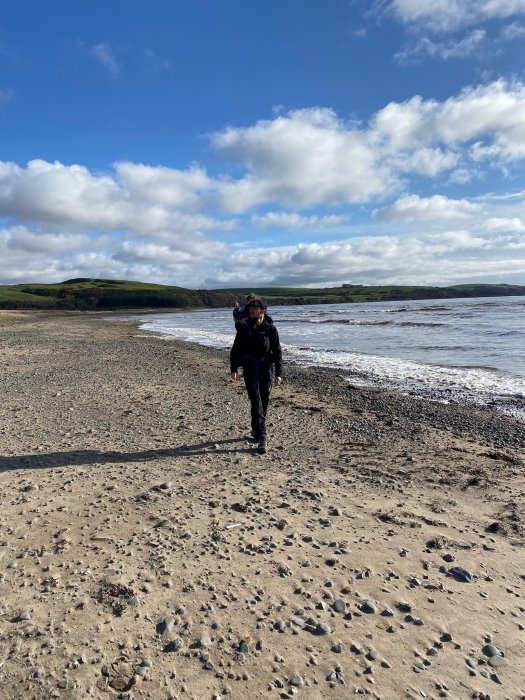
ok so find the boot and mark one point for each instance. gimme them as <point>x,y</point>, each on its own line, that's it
<point>261,448</point>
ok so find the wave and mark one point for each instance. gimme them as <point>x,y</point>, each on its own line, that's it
<point>353,321</point>
<point>406,309</point>
<point>415,324</point>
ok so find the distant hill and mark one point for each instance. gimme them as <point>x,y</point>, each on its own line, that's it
<point>87,294</point>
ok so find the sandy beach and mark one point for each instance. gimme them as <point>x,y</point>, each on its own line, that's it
<point>147,551</point>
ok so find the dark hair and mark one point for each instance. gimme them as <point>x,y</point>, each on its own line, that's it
<point>257,303</point>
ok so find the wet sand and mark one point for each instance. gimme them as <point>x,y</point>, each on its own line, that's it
<point>147,551</point>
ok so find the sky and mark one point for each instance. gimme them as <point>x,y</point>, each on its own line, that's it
<point>245,143</point>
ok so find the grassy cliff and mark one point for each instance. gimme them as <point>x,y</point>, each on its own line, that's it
<point>86,294</point>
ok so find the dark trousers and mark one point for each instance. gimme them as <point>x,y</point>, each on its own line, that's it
<point>258,378</point>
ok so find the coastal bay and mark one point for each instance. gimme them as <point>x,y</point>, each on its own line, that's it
<point>146,551</point>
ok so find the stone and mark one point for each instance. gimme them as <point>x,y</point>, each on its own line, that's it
<point>490,650</point>
<point>166,626</point>
<point>368,607</point>
<point>498,661</point>
<point>297,681</point>
<point>174,645</point>
<point>461,574</point>
<point>205,641</point>
<point>339,605</point>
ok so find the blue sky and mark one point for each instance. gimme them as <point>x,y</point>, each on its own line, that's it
<point>219,143</point>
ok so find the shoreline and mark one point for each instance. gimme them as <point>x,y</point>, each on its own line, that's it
<point>455,392</point>
<point>393,401</point>
<point>146,551</point>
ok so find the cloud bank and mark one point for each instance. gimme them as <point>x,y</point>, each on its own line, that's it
<point>366,191</point>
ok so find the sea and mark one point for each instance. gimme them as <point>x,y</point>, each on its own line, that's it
<point>466,351</point>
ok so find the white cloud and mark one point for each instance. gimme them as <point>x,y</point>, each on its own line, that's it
<point>166,224</point>
<point>302,159</point>
<point>513,32</point>
<point>439,258</point>
<point>490,118</point>
<point>147,201</point>
<point>451,15</point>
<point>165,186</point>
<point>105,56</point>
<point>497,224</point>
<point>292,220</point>
<point>425,161</point>
<point>446,51</point>
<point>435,208</point>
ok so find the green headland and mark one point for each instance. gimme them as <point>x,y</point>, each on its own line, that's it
<point>88,294</point>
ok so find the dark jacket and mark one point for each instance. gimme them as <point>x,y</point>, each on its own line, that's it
<point>258,342</point>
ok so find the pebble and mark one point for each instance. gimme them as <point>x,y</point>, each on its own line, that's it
<point>323,628</point>
<point>167,625</point>
<point>368,607</point>
<point>205,641</point>
<point>490,650</point>
<point>174,645</point>
<point>461,574</point>
<point>498,661</point>
<point>297,681</point>
<point>339,605</point>
<point>24,616</point>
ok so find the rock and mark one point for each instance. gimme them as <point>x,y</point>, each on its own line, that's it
<point>24,616</point>
<point>461,574</point>
<point>174,645</point>
<point>368,607</point>
<point>323,628</point>
<point>205,641</point>
<point>490,650</point>
<point>166,626</point>
<point>297,681</point>
<point>498,661</point>
<point>339,606</point>
<point>166,486</point>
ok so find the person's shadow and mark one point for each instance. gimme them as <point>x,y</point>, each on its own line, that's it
<point>75,458</point>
